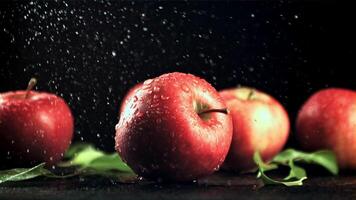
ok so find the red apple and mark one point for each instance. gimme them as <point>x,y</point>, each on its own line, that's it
<point>327,120</point>
<point>34,127</point>
<point>175,128</point>
<point>260,123</point>
<point>131,93</point>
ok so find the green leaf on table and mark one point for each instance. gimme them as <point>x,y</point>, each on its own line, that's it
<point>109,162</point>
<point>87,157</point>
<point>295,177</point>
<point>295,172</point>
<point>324,158</point>
<point>75,148</point>
<point>83,156</point>
<point>20,174</point>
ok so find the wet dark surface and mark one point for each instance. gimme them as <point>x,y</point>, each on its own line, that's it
<point>220,186</point>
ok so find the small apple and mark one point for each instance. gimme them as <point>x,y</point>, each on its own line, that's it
<point>327,120</point>
<point>34,127</point>
<point>175,128</point>
<point>131,93</point>
<point>260,123</point>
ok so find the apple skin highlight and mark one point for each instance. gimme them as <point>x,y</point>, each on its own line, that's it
<point>161,135</point>
<point>130,94</point>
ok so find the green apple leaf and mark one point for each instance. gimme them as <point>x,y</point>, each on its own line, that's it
<point>75,148</point>
<point>20,174</point>
<point>297,174</point>
<point>81,156</point>
<point>109,162</point>
<point>87,157</point>
<point>295,177</point>
<point>324,158</point>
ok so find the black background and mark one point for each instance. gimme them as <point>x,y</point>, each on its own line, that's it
<point>92,52</point>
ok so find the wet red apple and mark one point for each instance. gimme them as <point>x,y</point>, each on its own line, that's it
<point>260,123</point>
<point>175,128</point>
<point>327,120</point>
<point>35,127</point>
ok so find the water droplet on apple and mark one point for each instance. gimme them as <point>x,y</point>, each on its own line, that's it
<point>154,104</point>
<point>148,82</point>
<point>185,88</point>
<point>156,89</point>
<point>164,97</point>
<point>159,120</point>
<point>116,127</point>
<point>155,96</point>
<point>27,150</point>
<point>217,168</point>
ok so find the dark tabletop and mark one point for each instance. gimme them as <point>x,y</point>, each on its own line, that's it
<point>219,186</point>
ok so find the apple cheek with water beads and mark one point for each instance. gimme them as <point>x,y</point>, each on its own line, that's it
<point>175,128</point>
<point>35,127</point>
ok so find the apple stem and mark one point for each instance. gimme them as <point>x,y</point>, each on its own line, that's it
<point>222,110</point>
<point>30,85</point>
<point>250,94</point>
